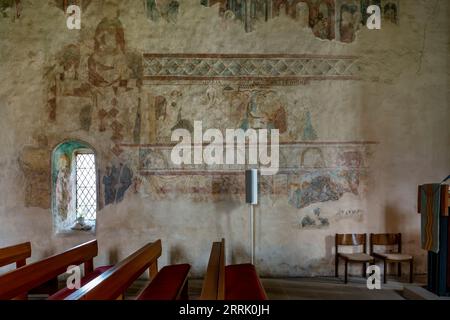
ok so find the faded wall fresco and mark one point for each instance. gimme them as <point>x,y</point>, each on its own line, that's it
<point>138,70</point>
<point>328,19</point>
<point>11,9</point>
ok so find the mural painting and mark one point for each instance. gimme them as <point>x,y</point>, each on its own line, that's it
<point>314,221</point>
<point>162,9</point>
<point>11,9</point>
<point>64,4</point>
<point>34,164</point>
<point>98,84</point>
<point>390,10</point>
<point>349,20</point>
<point>133,101</point>
<point>364,5</point>
<point>116,181</point>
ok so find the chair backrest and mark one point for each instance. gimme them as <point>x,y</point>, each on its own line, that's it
<point>114,282</point>
<point>350,239</point>
<point>386,239</point>
<point>214,283</point>
<point>22,280</point>
<point>17,254</point>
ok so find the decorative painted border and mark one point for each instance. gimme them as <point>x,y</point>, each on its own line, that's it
<point>249,67</point>
<point>349,155</point>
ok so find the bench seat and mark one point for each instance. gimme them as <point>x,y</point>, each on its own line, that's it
<point>242,283</point>
<point>65,292</point>
<point>168,283</point>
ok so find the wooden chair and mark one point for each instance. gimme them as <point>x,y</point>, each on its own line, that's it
<point>168,284</point>
<point>17,254</point>
<point>391,239</point>
<point>20,281</point>
<point>233,282</point>
<point>360,257</point>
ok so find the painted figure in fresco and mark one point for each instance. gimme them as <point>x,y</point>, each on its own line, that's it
<point>69,60</point>
<point>321,25</point>
<point>390,12</point>
<point>63,187</point>
<point>259,9</point>
<point>302,14</point>
<point>11,5</point>
<point>278,6</point>
<point>314,188</point>
<point>309,133</point>
<point>116,182</point>
<point>108,64</point>
<point>321,18</point>
<point>237,104</point>
<point>351,162</point>
<point>113,76</point>
<point>301,124</point>
<point>166,9</point>
<point>265,111</point>
<point>349,24</point>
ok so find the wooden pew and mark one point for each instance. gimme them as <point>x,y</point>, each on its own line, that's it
<point>233,282</point>
<point>214,284</point>
<point>25,278</point>
<point>17,254</point>
<point>168,284</point>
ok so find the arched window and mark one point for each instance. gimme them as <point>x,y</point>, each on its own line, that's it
<point>74,187</point>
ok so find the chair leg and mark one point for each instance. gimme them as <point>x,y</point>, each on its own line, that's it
<point>364,274</point>
<point>346,271</point>
<point>411,270</point>
<point>399,269</point>
<point>385,271</point>
<point>336,267</point>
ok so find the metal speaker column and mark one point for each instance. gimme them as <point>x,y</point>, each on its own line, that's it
<point>251,186</point>
<point>251,197</point>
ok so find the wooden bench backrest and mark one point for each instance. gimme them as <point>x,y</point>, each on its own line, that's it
<point>17,254</point>
<point>214,283</point>
<point>114,282</point>
<point>22,280</point>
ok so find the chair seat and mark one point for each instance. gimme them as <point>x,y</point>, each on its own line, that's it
<point>395,256</point>
<point>64,293</point>
<point>360,257</point>
<point>167,284</point>
<point>242,283</point>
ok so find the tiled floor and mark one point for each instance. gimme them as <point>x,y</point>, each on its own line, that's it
<point>318,288</point>
<point>323,288</point>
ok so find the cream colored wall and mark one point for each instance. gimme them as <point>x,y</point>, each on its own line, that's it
<point>401,102</point>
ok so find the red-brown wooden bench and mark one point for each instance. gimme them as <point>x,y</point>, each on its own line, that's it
<point>170,283</point>
<point>17,254</point>
<point>20,281</point>
<point>233,282</point>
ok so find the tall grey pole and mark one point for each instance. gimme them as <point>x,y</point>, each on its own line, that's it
<point>251,197</point>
